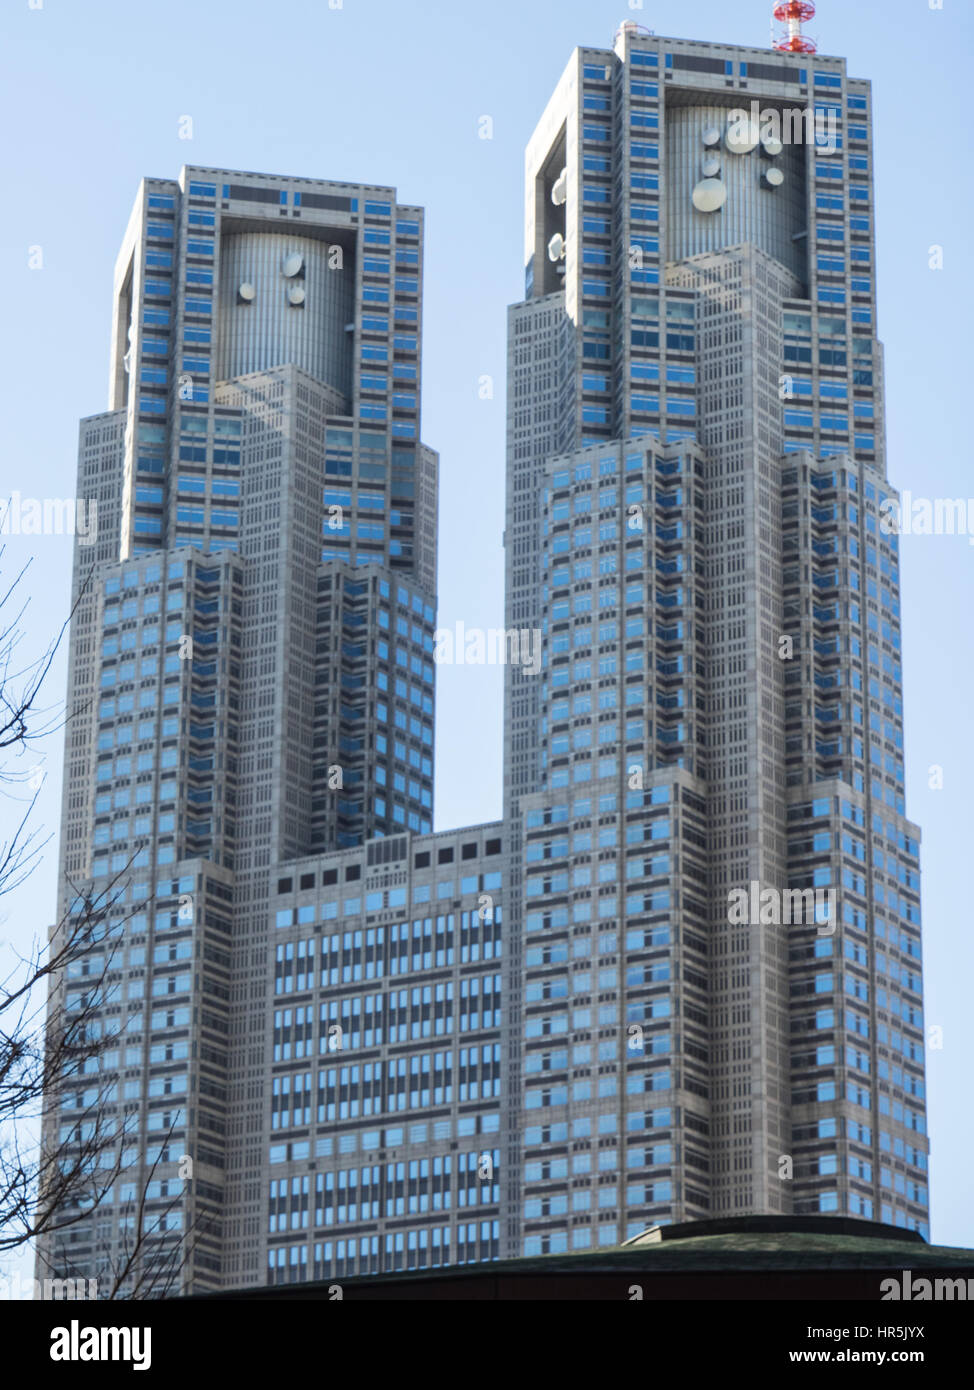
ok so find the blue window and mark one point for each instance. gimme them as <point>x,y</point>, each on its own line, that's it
<point>687,375</point>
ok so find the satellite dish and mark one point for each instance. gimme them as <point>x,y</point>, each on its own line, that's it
<point>710,167</point>
<point>742,135</point>
<point>711,136</point>
<point>293,265</point>
<point>246,291</point>
<point>709,195</point>
<point>774,177</point>
<point>556,247</point>
<point>772,145</point>
<point>295,295</point>
<point>559,191</point>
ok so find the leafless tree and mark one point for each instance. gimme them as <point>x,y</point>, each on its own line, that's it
<point>54,1043</point>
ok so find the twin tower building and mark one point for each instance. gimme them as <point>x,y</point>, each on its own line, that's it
<point>681,979</point>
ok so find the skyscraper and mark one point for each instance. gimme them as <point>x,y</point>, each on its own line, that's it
<point>251,659</point>
<point>713,991</point>
<point>681,978</point>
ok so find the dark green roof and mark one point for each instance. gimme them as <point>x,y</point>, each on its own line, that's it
<point>759,1245</point>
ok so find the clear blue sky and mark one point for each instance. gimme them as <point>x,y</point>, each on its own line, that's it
<point>391,91</point>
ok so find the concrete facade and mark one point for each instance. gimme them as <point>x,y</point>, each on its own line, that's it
<point>385,1048</point>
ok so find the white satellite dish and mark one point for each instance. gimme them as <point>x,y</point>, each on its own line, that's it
<point>295,294</point>
<point>556,247</point>
<point>711,136</point>
<point>710,167</point>
<point>772,145</point>
<point>246,291</point>
<point>559,191</point>
<point>709,195</point>
<point>742,135</point>
<point>774,177</point>
<point>292,265</point>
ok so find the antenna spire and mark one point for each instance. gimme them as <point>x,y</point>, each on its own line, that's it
<point>793,14</point>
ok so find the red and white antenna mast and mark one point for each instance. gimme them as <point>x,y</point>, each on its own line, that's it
<point>793,14</point>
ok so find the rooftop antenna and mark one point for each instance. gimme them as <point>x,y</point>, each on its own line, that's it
<point>627,29</point>
<point>793,14</point>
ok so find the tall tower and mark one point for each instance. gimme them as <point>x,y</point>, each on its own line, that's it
<point>251,663</point>
<point>713,983</point>
<point>682,978</point>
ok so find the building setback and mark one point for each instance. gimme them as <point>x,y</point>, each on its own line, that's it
<point>388,1049</point>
